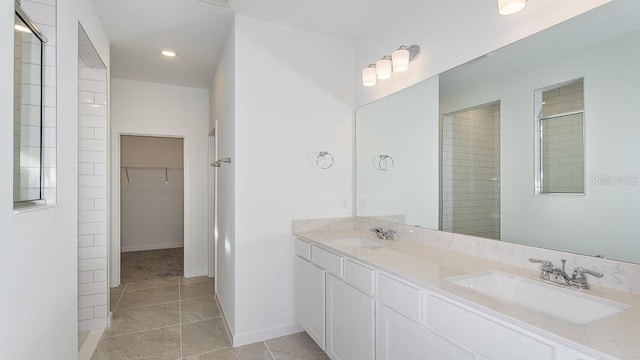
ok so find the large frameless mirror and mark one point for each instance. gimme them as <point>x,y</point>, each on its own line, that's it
<point>27,110</point>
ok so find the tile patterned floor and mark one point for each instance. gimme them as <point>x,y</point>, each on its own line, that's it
<point>158,314</point>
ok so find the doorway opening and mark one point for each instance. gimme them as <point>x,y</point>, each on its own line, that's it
<point>151,207</point>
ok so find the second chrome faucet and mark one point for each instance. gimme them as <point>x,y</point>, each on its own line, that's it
<point>552,274</point>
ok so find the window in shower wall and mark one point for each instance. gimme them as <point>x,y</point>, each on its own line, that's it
<point>560,139</point>
<point>470,161</point>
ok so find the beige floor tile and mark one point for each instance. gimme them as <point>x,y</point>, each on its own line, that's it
<point>295,347</point>
<point>153,283</point>
<point>114,298</point>
<point>199,309</point>
<point>257,351</point>
<point>196,289</point>
<point>144,297</point>
<point>157,344</point>
<point>204,336</point>
<point>143,318</point>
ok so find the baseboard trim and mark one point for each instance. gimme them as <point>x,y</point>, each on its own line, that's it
<point>224,320</point>
<point>152,247</point>
<point>262,335</point>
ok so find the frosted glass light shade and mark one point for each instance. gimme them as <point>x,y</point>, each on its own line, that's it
<point>400,59</point>
<point>509,7</point>
<point>383,68</point>
<point>369,75</point>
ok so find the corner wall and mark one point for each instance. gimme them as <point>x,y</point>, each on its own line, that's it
<point>293,99</point>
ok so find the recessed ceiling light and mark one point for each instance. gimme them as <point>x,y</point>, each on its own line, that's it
<point>168,53</point>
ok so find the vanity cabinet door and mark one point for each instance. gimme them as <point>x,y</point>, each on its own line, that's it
<point>310,295</point>
<point>350,322</point>
<point>399,337</point>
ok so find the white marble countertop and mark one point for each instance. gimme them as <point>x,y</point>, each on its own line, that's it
<point>429,266</point>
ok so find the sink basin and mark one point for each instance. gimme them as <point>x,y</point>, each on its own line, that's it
<point>359,242</point>
<point>565,304</point>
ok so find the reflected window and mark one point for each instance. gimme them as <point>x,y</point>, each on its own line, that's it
<point>560,139</point>
<point>27,115</point>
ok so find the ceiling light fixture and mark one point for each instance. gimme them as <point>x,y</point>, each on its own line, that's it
<point>398,61</point>
<point>168,53</point>
<point>510,7</point>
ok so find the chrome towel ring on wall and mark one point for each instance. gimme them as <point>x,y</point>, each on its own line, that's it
<point>324,160</point>
<point>383,162</point>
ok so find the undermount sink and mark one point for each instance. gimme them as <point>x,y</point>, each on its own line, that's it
<point>358,242</point>
<point>564,304</point>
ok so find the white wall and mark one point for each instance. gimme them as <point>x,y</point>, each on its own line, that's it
<point>39,260</point>
<point>223,111</point>
<point>571,223</point>
<point>405,127</point>
<point>461,31</point>
<point>293,99</point>
<point>141,108</point>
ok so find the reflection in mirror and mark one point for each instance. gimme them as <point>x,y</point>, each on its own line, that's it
<point>470,168</point>
<point>560,139</point>
<point>600,47</point>
<point>27,115</point>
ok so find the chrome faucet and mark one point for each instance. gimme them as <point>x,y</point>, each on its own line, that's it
<point>383,234</point>
<point>554,275</point>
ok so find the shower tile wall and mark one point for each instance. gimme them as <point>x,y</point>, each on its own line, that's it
<point>43,13</point>
<point>471,172</point>
<point>92,198</point>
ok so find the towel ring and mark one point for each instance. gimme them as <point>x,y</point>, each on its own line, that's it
<point>385,162</point>
<point>321,160</point>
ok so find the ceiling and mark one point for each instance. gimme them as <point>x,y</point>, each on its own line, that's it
<point>196,30</point>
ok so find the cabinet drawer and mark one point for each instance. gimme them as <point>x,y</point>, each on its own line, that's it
<point>359,276</point>
<point>487,337</point>
<point>329,261</point>
<point>399,295</point>
<point>303,249</point>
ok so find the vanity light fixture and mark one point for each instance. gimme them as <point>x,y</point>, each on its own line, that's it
<point>384,67</point>
<point>398,61</point>
<point>369,75</point>
<point>168,53</point>
<point>510,7</point>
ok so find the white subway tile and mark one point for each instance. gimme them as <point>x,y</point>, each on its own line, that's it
<point>92,85</point>
<point>88,73</point>
<point>100,204</point>
<point>100,275</point>
<point>40,13</point>
<point>92,156</point>
<point>92,145</point>
<point>85,277</point>
<point>92,264</point>
<point>85,240</point>
<point>92,300</point>
<point>92,216</point>
<point>85,204</point>
<point>85,313</point>
<point>100,239</point>
<point>94,192</point>
<point>92,121</point>
<point>92,109</point>
<point>92,180</point>
<point>86,97</point>
<point>100,311</point>
<point>100,169</point>
<point>92,228</point>
<point>100,134</point>
<point>85,169</point>
<point>92,252</point>
<point>92,288</point>
<point>100,98</point>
